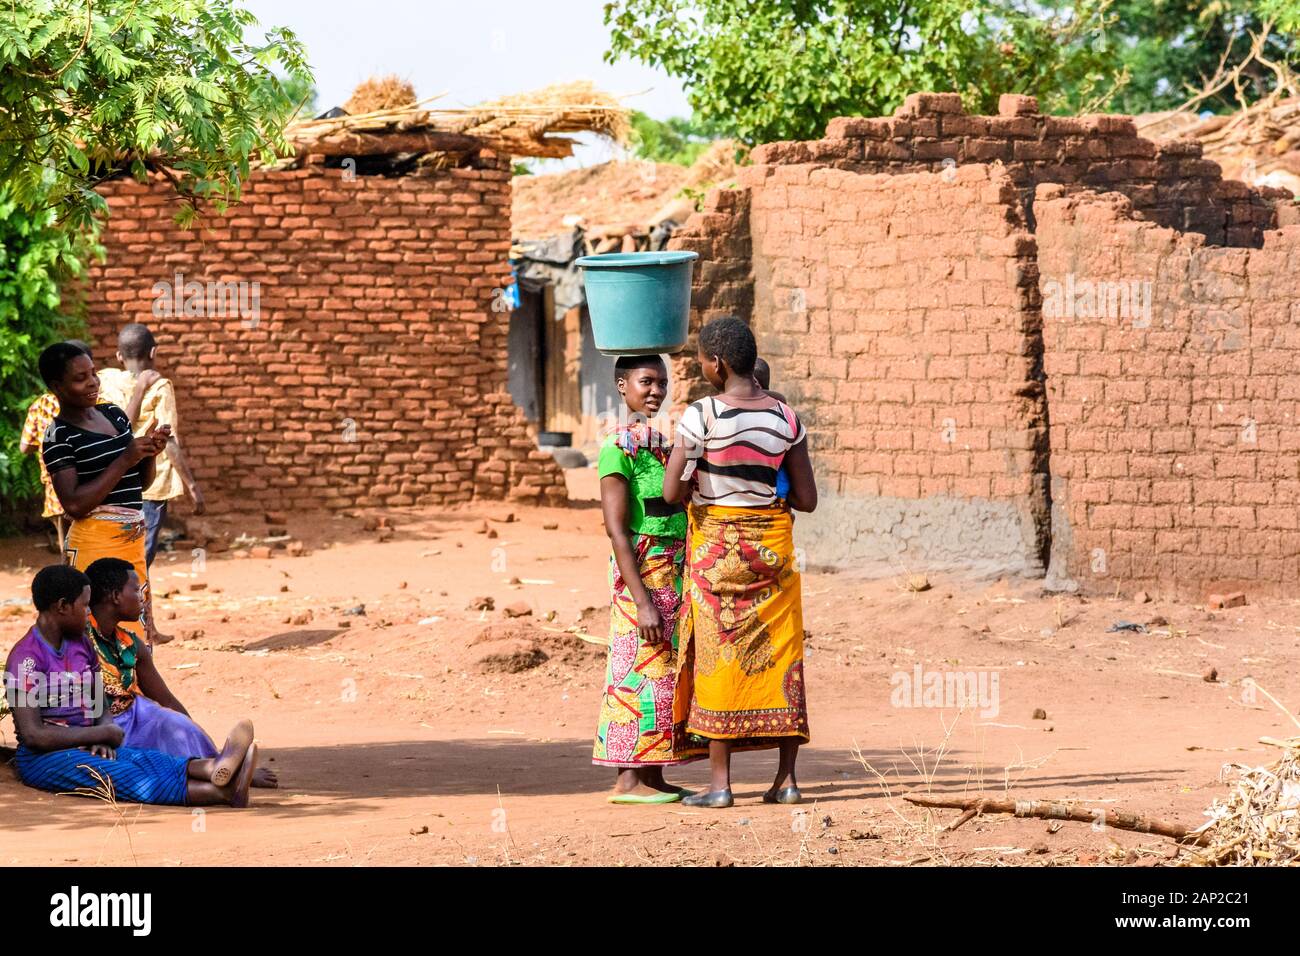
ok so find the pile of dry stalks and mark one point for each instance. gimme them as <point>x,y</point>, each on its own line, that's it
<point>1258,822</point>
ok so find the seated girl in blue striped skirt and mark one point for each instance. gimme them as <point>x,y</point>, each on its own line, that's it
<point>68,741</point>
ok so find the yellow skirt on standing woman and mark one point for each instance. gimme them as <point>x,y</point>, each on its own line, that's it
<point>741,630</point>
<point>111,531</point>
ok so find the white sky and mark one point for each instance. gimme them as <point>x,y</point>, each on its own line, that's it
<point>473,49</point>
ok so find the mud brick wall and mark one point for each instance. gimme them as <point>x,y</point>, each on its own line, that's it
<point>891,272</point>
<point>1168,183</point>
<point>1175,448</point>
<point>890,308</point>
<point>375,370</point>
<point>722,281</point>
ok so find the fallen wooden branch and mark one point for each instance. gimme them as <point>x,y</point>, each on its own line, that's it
<point>1051,810</point>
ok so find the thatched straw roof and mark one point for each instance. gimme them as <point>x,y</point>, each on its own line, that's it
<point>521,125</point>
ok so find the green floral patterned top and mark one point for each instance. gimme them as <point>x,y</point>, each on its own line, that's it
<point>639,455</point>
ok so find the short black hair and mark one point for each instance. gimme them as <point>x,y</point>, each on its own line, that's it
<point>53,363</point>
<point>762,373</point>
<point>629,363</point>
<point>58,582</point>
<point>135,341</point>
<point>83,346</point>
<point>731,340</point>
<point>106,576</point>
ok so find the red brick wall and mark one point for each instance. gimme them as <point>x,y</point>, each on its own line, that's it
<point>376,324</point>
<point>1175,447</point>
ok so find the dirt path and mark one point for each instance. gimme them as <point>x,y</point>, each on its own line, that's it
<point>396,747</point>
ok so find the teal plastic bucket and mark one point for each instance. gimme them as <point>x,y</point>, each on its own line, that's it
<point>640,302</point>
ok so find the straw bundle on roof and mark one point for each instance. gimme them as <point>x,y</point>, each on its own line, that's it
<point>1258,823</point>
<point>381,93</point>
<point>521,125</point>
<point>563,108</point>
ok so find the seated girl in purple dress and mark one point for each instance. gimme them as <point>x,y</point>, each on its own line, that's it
<point>139,699</point>
<point>68,742</point>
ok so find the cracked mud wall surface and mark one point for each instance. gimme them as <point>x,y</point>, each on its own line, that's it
<point>936,533</point>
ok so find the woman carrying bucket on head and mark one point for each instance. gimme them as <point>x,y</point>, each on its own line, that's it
<point>637,732</point>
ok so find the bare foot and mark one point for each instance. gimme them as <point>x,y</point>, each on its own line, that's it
<point>240,797</point>
<point>232,753</point>
<point>266,777</point>
<point>653,777</point>
<point>157,637</point>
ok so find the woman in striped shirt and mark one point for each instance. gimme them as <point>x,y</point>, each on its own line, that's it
<point>741,683</point>
<point>99,471</point>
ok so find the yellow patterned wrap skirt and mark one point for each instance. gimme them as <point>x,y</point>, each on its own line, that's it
<point>741,629</point>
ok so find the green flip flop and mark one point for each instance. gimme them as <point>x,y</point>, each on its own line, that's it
<point>638,798</point>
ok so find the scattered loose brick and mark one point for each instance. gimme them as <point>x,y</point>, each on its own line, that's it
<point>1218,602</point>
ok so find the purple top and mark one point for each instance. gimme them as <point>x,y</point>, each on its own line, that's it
<point>61,683</point>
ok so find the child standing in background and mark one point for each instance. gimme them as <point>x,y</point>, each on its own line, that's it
<point>150,401</point>
<point>635,732</point>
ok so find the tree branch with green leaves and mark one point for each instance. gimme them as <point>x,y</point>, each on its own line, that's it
<point>764,70</point>
<point>91,87</point>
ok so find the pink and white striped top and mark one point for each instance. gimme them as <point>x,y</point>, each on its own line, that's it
<point>737,451</point>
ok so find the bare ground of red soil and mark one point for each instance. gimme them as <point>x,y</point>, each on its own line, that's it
<point>394,744</point>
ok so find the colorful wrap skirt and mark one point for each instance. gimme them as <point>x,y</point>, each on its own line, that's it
<point>636,726</point>
<point>741,631</point>
<point>112,532</point>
